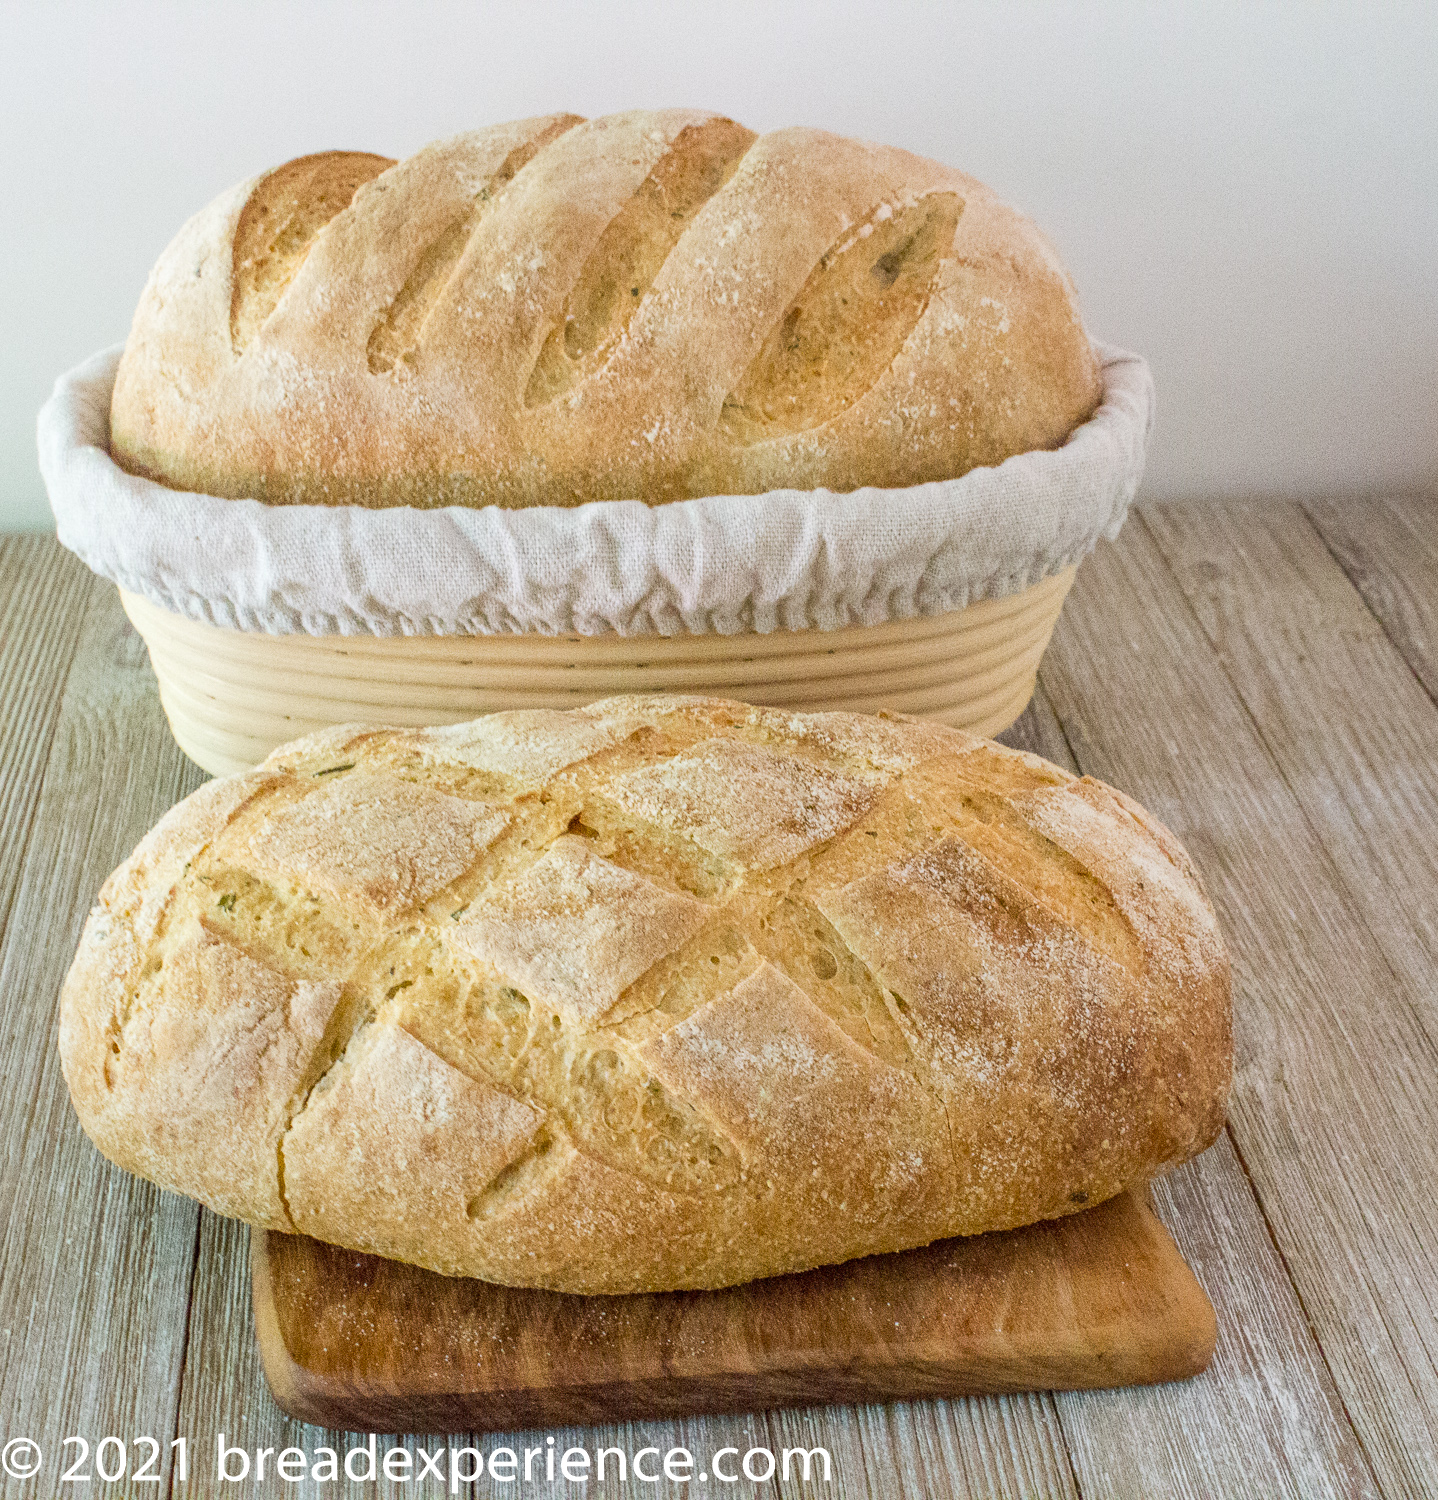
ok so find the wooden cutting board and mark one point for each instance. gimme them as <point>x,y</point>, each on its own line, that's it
<point>1101,1298</point>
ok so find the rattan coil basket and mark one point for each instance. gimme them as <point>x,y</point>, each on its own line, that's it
<point>232,696</point>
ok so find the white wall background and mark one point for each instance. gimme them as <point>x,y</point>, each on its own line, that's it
<point>1248,194</point>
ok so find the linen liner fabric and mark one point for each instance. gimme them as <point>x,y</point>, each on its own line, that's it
<point>725,565</point>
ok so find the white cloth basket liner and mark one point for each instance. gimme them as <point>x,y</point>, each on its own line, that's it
<point>728,564</point>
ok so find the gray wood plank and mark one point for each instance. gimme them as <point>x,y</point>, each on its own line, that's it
<point>983,1446</point>
<point>1356,737</point>
<point>1335,1089</point>
<point>224,1388</point>
<point>994,1447</point>
<point>1389,549</point>
<point>702,1437</point>
<point>43,591</point>
<point>95,1265</point>
<point>1348,723</point>
<point>1038,731</point>
<point>1265,1418</point>
<point>1241,1428</point>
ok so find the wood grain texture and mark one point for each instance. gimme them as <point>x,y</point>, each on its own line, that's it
<point>43,591</point>
<point>1038,731</point>
<point>1335,1087</point>
<point>94,1264</point>
<point>992,1446</point>
<point>1389,550</point>
<point>224,1387</point>
<point>1329,1113</point>
<point>1265,1419</point>
<point>978,1449</point>
<point>1095,1299</point>
<point>1356,737</point>
<point>1345,719</point>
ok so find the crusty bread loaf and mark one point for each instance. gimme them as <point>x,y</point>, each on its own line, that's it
<point>646,306</point>
<point>657,993</point>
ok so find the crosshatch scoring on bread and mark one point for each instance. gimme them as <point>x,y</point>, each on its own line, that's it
<point>652,305</point>
<point>659,993</point>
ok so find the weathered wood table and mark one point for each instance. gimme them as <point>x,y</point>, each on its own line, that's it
<point>1265,678</point>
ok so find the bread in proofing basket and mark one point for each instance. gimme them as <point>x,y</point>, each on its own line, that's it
<point>654,994</point>
<point>648,306</point>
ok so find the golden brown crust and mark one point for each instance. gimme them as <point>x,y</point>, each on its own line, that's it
<point>551,1009</point>
<point>651,305</point>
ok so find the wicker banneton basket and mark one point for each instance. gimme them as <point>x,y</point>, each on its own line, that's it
<point>264,623</point>
<point>232,695</point>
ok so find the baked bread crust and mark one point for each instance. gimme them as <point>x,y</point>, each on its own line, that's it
<point>651,305</point>
<point>653,994</point>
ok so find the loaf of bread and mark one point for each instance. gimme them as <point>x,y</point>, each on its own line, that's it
<point>647,306</point>
<point>653,994</point>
